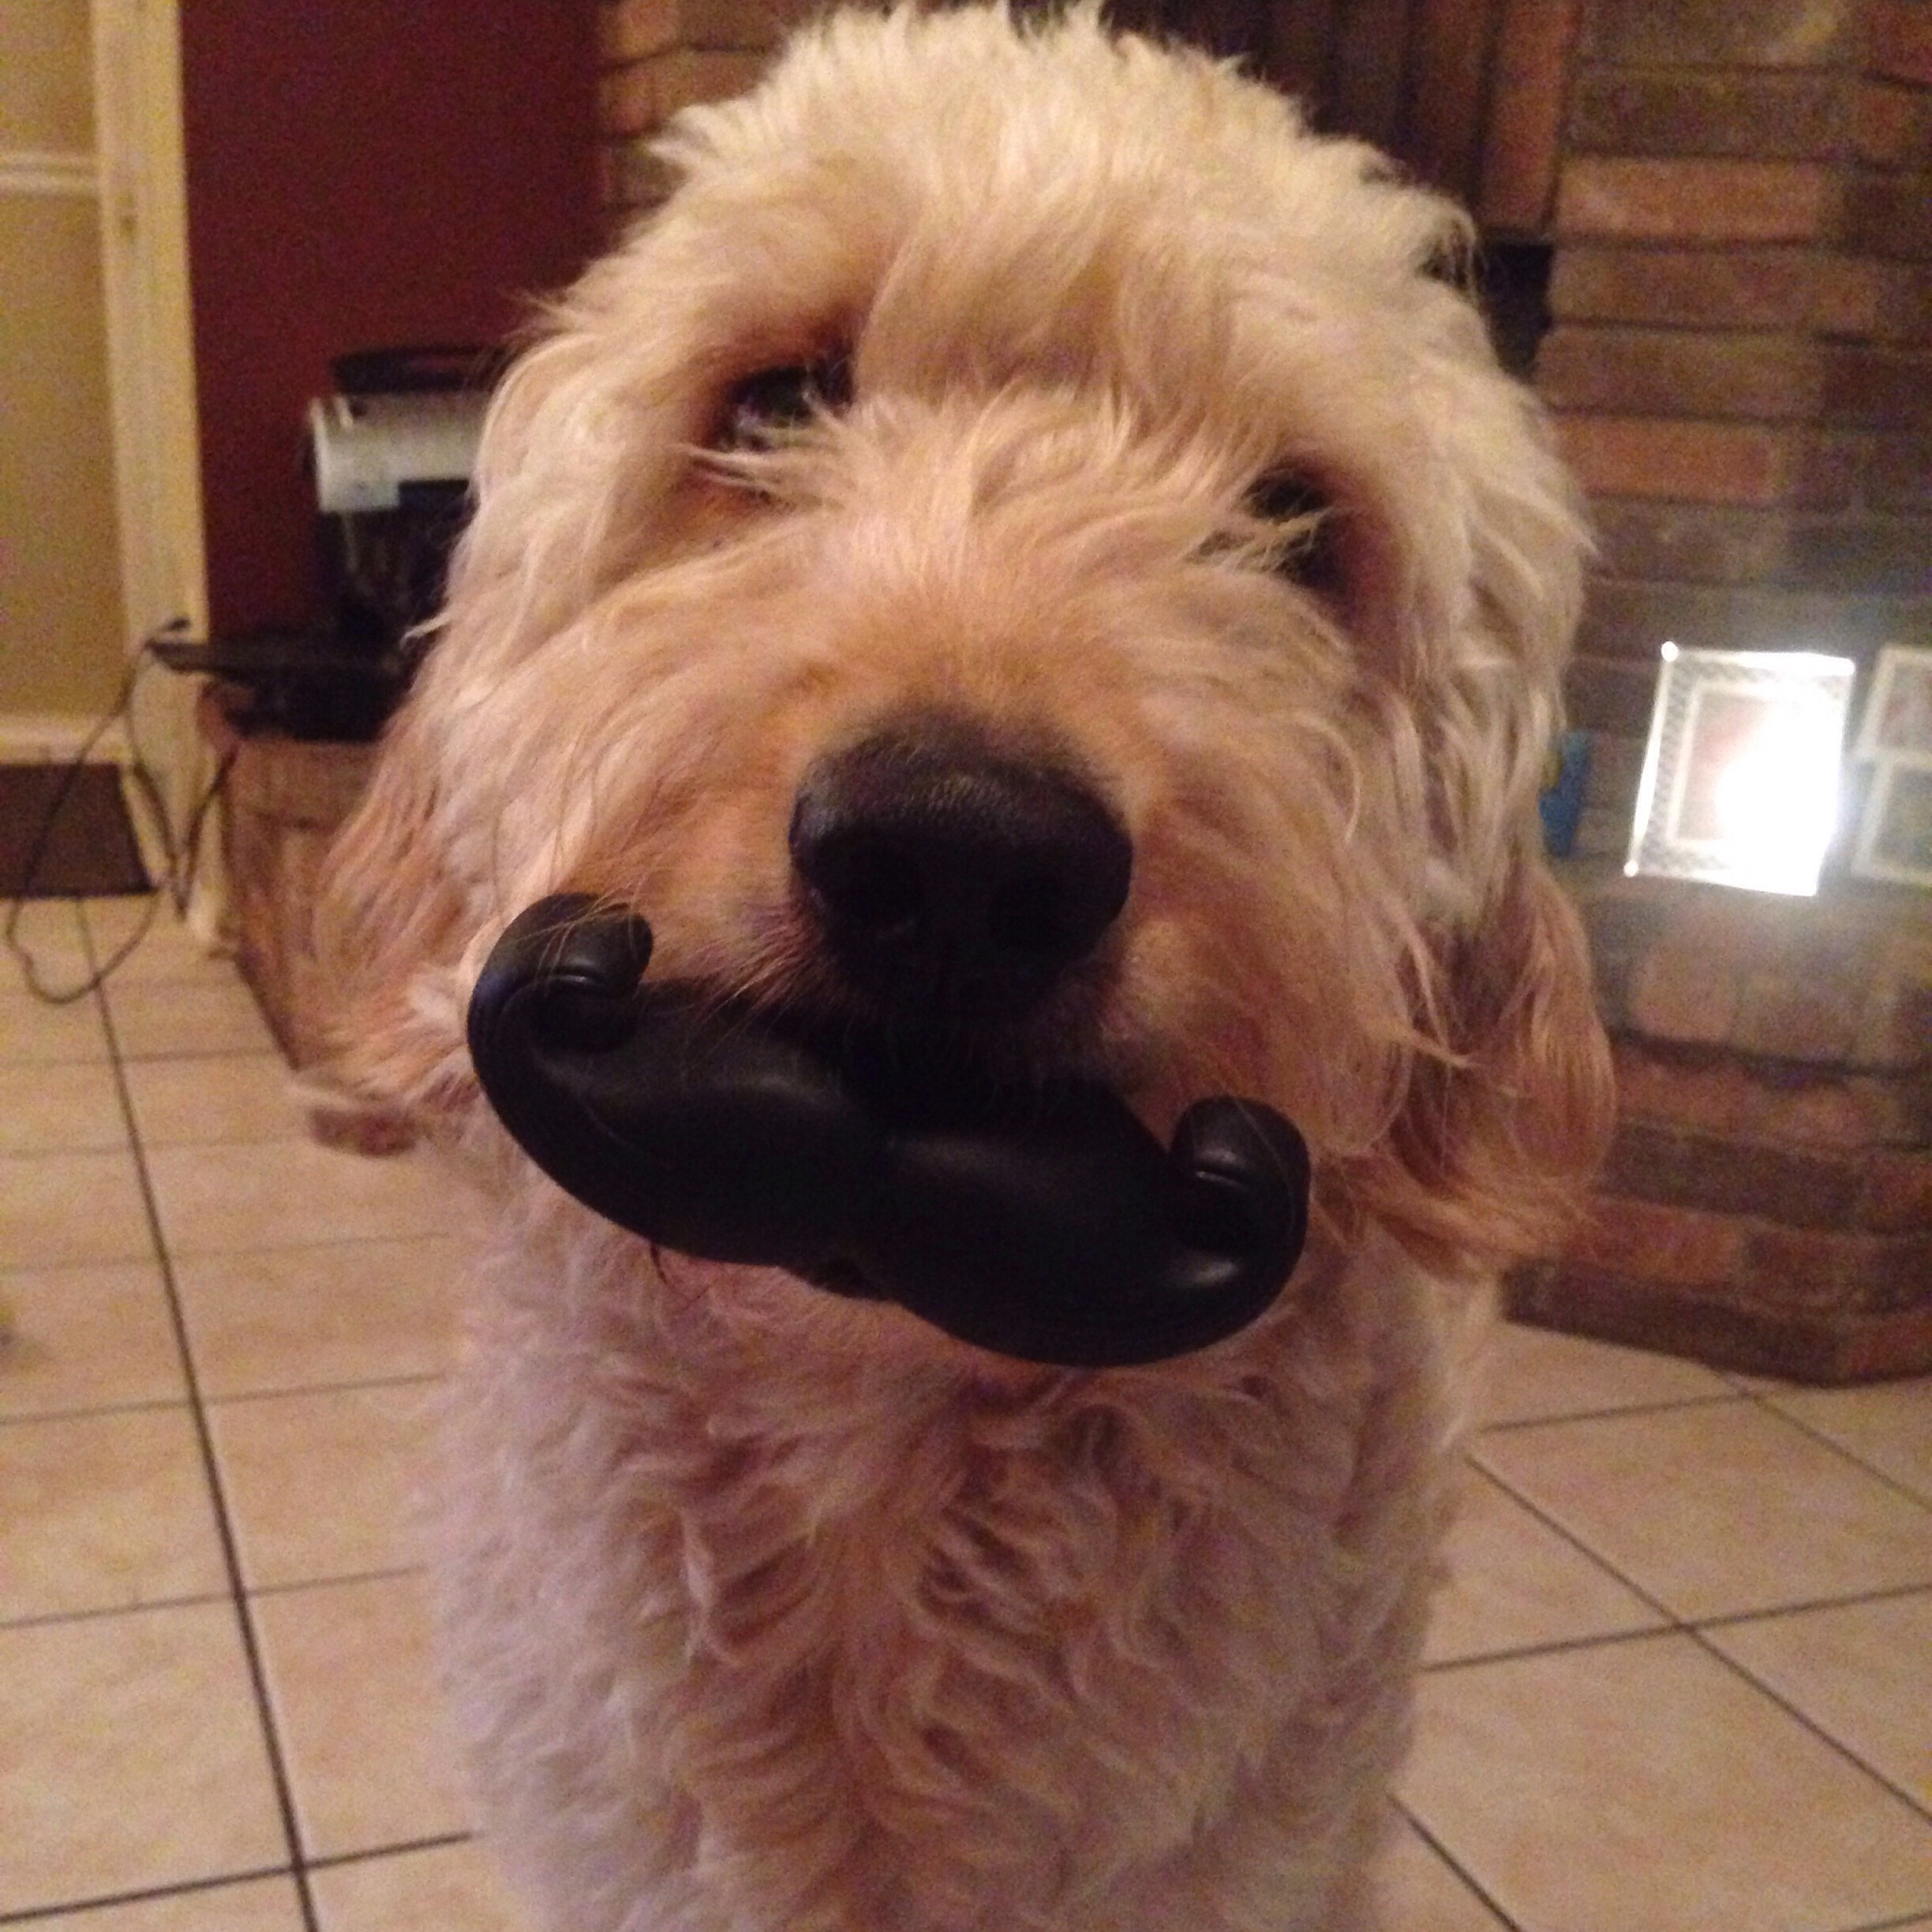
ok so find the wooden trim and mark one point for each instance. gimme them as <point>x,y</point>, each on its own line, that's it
<point>138,108</point>
<point>44,171</point>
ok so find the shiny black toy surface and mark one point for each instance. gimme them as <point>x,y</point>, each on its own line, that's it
<point>1056,1231</point>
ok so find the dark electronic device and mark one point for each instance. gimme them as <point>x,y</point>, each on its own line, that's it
<point>390,453</point>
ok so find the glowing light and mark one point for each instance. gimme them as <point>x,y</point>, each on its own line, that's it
<point>1740,779</point>
<point>1775,800</point>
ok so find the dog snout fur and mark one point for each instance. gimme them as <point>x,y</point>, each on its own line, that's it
<point>949,876</point>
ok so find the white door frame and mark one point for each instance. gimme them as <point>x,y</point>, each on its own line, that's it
<point>144,199</point>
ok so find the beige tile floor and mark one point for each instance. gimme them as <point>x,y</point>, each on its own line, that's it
<point>1681,1680</point>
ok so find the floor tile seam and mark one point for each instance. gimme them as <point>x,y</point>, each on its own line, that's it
<point>224,1522</point>
<point>1547,1646</point>
<point>189,956</point>
<point>66,1147</point>
<point>1556,1646</point>
<point>170,1144</point>
<point>107,1901</point>
<point>1634,1410</point>
<point>264,1051</point>
<point>102,1613</point>
<point>74,999</point>
<point>149,1253</point>
<point>1839,1449</point>
<point>60,1154</point>
<point>1730,1620</point>
<point>1678,1619</point>
<point>308,1860</point>
<point>201,958</point>
<point>440,1842</point>
<point>190,1254</point>
<point>295,1133</point>
<point>1743,1673</point>
<point>149,1056</point>
<point>415,1379</point>
<point>28,1273</point>
<point>1690,1617</point>
<point>1468,1878</point>
<point>303,1247</point>
<point>297,1137</point>
<point>1889,1592</point>
<point>64,992</point>
<point>185,972</point>
<point>29,1047</point>
<point>225,1398</point>
<point>1649,1598</point>
<point>149,1405</point>
<point>387,1572</point>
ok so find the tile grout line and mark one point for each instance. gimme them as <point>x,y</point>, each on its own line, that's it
<point>153,1404</point>
<point>257,1591</point>
<point>367,1854</point>
<point>1689,1627</point>
<point>1687,1622</point>
<point>1693,1629</point>
<point>275,1248</point>
<point>1511,1425</point>
<point>414,1378</point>
<point>190,1599</point>
<point>1562,1646</point>
<point>1884,1593</point>
<point>45,1619</point>
<point>145,1404</point>
<point>36,1915</point>
<point>1456,1866</point>
<point>1556,1646</point>
<point>1838,1448</point>
<point>251,1648</point>
<point>1744,1674</point>
<point>1569,1536</point>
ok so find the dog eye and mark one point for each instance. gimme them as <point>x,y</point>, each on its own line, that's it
<point>1310,556</point>
<point>767,404</point>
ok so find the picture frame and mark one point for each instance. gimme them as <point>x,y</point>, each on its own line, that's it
<point>1895,829</point>
<point>1740,782</point>
<point>1897,723</point>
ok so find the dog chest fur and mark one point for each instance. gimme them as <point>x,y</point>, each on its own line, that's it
<point>981,1649</point>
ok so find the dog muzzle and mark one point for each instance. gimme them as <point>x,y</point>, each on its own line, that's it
<point>1053,1228</point>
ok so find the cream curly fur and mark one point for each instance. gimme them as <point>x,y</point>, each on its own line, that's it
<point>769,1612</point>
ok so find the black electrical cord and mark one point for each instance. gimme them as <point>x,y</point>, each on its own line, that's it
<point>181,860</point>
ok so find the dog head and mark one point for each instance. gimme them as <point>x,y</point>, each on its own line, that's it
<point>1027,562</point>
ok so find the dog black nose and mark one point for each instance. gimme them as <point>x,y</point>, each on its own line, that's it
<point>945,874</point>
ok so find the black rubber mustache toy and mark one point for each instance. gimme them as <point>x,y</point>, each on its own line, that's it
<point>1061,1233</point>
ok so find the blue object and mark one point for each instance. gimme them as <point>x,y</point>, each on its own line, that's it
<point>1561,801</point>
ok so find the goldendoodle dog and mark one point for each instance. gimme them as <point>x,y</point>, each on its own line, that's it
<point>1020,603</point>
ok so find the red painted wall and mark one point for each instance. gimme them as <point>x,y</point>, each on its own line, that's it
<point>360,174</point>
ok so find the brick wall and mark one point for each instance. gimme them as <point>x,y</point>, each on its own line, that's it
<point>656,56</point>
<point>1741,357</point>
<point>1767,1203</point>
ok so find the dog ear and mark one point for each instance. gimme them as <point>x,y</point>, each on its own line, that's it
<point>1508,1103</point>
<point>1509,1110</point>
<point>388,929</point>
